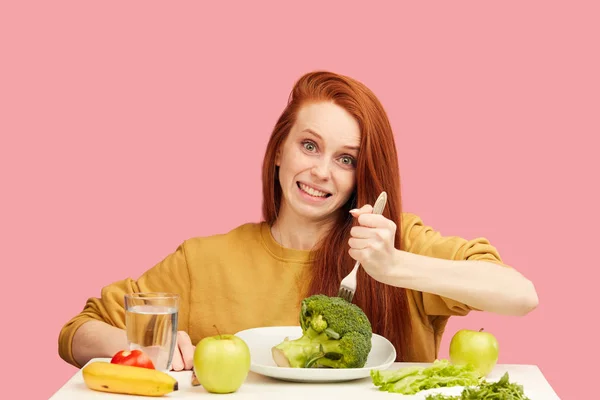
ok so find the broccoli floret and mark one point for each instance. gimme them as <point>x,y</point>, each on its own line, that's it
<point>335,334</point>
<point>318,323</point>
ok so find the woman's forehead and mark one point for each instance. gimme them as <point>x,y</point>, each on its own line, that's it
<point>328,122</point>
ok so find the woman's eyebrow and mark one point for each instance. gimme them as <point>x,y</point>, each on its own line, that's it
<point>356,148</point>
<point>313,133</point>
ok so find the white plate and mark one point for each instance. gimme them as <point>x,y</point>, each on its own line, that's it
<point>261,340</point>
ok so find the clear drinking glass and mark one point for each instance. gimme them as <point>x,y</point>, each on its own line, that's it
<point>151,325</point>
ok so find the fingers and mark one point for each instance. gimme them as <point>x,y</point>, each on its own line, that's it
<point>355,254</point>
<point>362,244</point>
<point>177,363</point>
<point>359,244</point>
<point>376,221</point>
<point>360,254</point>
<point>366,209</point>
<point>361,232</point>
<point>373,234</point>
<point>186,349</point>
<point>367,218</point>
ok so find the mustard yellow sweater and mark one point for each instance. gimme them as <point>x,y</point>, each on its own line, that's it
<point>227,279</point>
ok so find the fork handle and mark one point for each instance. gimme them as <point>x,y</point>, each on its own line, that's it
<point>380,203</point>
<point>355,269</point>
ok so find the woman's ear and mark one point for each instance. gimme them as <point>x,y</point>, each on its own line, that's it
<point>278,158</point>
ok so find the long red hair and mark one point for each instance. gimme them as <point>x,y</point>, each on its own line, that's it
<point>376,171</point>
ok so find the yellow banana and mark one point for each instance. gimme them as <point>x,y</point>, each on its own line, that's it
<point>126,379</point>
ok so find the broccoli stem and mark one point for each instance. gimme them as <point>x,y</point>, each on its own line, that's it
<point>329,363</point>
<point>314,358</point>
<point>332,334</point>
<point>312,349</point>
<point>279,357</point>
<point>327,356</point>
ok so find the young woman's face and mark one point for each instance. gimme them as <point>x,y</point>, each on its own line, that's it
<point>317,161</point>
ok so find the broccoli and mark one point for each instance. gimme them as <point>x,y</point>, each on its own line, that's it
<point>335,334</point>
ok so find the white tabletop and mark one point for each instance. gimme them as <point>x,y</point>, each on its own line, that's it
<point>261,387</point>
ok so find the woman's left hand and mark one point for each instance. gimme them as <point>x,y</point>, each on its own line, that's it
<point>372,243</point>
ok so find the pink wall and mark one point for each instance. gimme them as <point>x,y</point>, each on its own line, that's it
<point>129,128</point>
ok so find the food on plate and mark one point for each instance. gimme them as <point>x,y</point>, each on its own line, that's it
<point>411,380</point>
<point>501,390</point>
<point>221,363</point>
<point>477,348</point>
<point>135,358</point>
<point>126,379</point>
<point>335,334</point>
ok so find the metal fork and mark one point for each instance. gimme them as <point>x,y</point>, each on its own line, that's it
<point>348,285</point>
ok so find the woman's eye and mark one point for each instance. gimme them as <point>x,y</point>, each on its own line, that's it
<point>347,160</point>
<point>309,146</point>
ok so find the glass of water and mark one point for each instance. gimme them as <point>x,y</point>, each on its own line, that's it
<point>151,325</point>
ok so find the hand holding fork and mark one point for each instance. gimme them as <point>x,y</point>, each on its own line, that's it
<point>371,244</point>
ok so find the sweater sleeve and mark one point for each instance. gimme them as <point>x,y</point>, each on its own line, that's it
<point>169,275</point>
<point>421,239</point>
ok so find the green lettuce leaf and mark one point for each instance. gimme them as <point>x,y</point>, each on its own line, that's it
<point>441,397</point>
<point>410,380</point>
<point>501,390</point>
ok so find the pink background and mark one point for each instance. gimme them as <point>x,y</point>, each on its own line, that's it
<point>128,127</point>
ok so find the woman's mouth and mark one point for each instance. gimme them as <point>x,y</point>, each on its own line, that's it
<point>312,192</point>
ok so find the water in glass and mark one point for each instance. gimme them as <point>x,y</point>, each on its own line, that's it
<point>152,327</point>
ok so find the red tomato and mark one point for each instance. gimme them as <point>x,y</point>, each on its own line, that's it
<point>135,358</point>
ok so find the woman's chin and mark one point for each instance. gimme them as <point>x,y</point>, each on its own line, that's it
<point>313,213</point>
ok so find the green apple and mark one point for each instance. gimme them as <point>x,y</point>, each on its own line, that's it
<point>477,348</point>
<point>221,363</point>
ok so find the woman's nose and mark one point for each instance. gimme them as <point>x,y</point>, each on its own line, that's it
<point>321,170</point>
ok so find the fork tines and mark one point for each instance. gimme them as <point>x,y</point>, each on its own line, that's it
<point>346,294</point>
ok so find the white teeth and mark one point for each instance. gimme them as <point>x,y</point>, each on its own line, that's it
<point>312,191</point>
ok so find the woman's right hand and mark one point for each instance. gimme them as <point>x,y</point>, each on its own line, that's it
<point>183,355</point>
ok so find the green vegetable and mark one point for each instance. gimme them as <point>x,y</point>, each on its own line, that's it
<point>410,380</point>
<point>335,334</point>
<point>501,390</point>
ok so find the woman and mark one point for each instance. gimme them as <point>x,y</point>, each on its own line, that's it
<point>331,153</point>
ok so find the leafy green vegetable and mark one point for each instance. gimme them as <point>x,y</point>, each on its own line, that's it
<point>439,396</point>
<point>335,334</point>
<point>410,380</point>
<point>501,390</point>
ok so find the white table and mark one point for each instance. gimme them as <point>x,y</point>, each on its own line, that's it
<point>261,387</point>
